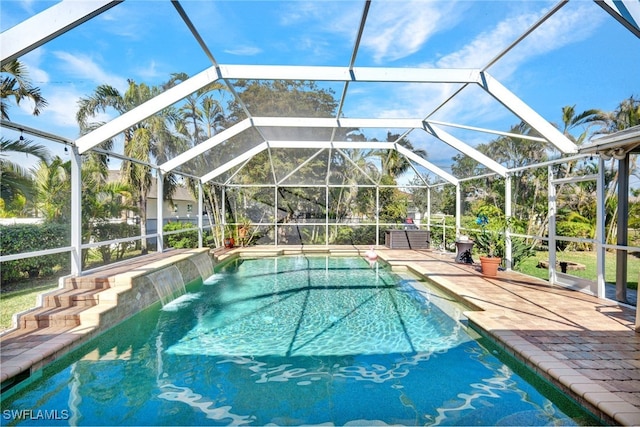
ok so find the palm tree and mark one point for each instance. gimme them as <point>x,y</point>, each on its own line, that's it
<point>571,120</point>
<point>625,116</point>
<point>393,163</point>
<point>14,179</point>
<point>15,83</point>
<point>199,118</point>
<point>147,141</point>
<point>53,189</point>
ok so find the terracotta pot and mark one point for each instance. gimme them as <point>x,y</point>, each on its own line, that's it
<point>490,265</point>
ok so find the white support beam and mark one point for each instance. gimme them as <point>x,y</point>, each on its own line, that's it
<point>270,72</point>
<point>148,109</point>
<point>160,210</point>
<point>464,148</point>
<point>429,208</point>
<point>76,212</point>
<point>328,122</point>
<point>335,144</point>
<point>424,163</point>
<point>210,143</point>
<point>508,244</point>
<point>491,131</point>
<point>626,12</point>
<point>551,221</point>
<point>526,113</point>
<point>200,219</point>
<point>47,25</point>
<point>600,231</point>
<point>344,74</point>
<point>232,163</point>
<point>458,211</point>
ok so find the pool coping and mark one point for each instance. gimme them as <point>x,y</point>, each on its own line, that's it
<point>26,350</point>
<point>602,402</point>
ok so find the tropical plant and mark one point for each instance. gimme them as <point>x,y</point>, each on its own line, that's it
<point>184,239</point>
<point>15,83</point>
<point>15,180</point>
<point>395,164</point>
<point>199,118</point>
<point>489,241</point>
<point>149,140</point>
<point>53,187</point>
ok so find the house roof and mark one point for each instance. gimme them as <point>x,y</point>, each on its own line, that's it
<point>181,192</point>
<point>615,145</point>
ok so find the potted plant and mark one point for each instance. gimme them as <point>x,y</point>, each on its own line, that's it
<point>489,242</point>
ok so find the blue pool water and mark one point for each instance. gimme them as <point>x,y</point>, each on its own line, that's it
<point>292,341</point>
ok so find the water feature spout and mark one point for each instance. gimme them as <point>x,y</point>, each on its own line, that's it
<point>204,264</point>
<point>169,284</point>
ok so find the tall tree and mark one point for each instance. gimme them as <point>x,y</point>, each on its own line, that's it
<point>280,99</point>
<point>200,117</point>
<point>53,186</point>
<point>586,119</point>
<point>395,164</point>
<point>15,83</point>
<point>151,140</point>
<point>15,180</point>
<point>626,115</point>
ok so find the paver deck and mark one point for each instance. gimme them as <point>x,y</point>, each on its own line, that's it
<point>586,346</point>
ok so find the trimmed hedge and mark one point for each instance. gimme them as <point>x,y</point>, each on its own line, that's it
<point>184,240</point>
<point>23,238</point>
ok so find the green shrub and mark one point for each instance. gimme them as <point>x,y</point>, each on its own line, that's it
<point>187,239</point>
<point>111,231</point>
<point>24,238</point>
<point>573,229</point>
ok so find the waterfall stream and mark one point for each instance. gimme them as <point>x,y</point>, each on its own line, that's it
<point>168,283</point>
<point>204,264</point>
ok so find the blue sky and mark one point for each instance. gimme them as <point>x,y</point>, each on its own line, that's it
<point>581,56</point>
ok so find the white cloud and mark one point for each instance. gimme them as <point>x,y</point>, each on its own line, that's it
<point>474,105</point>
<point>85,68</point>
<point>32,61</point>
<point>398,29</point>
<point>563,28</point>
<point>487,44</point>
<point>63,105</point>
<point>244,50</point>
<point>150,72</point>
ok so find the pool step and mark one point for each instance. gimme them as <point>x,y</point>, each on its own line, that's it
<point>88,282</point>
<point>62,307</point>
<point>71,297</point>
<point>51,316</point>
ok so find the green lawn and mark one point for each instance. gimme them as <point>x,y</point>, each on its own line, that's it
<point>22,298</point>
<point>588,259</point>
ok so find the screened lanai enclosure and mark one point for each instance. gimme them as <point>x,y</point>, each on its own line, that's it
<point>331,123</point>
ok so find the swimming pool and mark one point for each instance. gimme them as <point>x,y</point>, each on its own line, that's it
<point>289,341</point>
